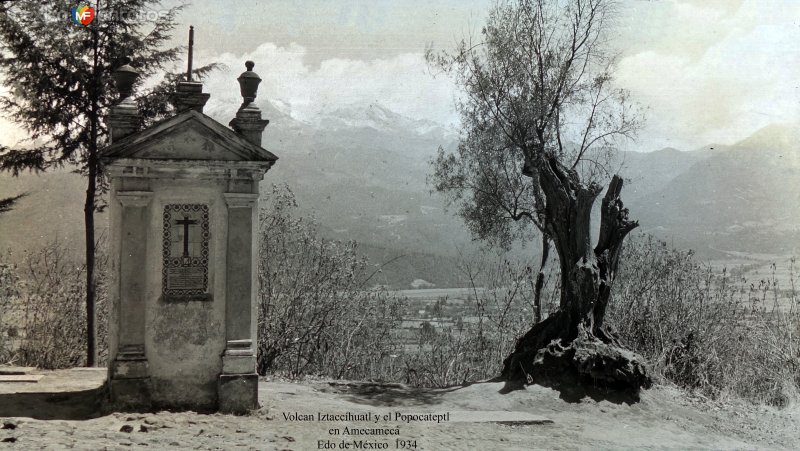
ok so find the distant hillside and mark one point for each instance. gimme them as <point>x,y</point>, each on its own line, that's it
<point>398,269</point>
<point>647,172</point>
<point>52,210</point>
<point>362,174</point>
<point>745,198</point>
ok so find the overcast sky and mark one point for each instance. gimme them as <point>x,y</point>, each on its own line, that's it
<point>709,71</point>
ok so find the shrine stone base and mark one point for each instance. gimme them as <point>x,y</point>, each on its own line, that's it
<point>238,393</point>
<point>130,394</point>
<point>129,384</point>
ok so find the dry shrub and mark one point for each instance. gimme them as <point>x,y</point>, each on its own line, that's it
<point>707,331</point>
<point>699,329</point>
<point>49,313</point>
<point>315,315</point>
<point>702,330</point>
<point>8,296</point>
<point>446,357</point>
<point>474,346</point>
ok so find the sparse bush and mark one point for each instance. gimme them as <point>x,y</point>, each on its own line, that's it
<point>474,346</point>
<point>708,331</point>
<point>445,357</point>
<point>8,294</point>
<point>49,311</point>
<point>315,315</point>
<point>700,329</point>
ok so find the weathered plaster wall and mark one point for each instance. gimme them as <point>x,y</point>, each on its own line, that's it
<point>185,339</point>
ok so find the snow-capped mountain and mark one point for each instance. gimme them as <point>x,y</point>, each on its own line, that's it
<point>362,172</point>
<point>379,118</point>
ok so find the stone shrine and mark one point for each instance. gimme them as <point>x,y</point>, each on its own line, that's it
<point>183,212</point>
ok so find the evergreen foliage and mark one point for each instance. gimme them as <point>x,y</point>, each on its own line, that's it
<point>60,89</point>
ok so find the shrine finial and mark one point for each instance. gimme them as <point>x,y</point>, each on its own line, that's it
<point>248,84</point>
<point>191,44</point>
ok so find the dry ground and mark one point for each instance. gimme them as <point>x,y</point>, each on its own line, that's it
<point>480,418</point>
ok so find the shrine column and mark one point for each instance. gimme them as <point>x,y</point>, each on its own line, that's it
<point>238,383</point>
<point>129,370</point>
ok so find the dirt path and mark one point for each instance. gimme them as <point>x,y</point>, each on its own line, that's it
<point>476,417</point>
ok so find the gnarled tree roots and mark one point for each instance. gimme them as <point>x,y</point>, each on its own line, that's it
<point>556,355</point>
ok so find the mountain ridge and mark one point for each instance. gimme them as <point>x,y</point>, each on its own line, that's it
<point>368,183</point>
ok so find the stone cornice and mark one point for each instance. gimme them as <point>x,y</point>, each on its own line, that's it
<point>240,200</point>
<point>186,169</point>
<point>134,198</point>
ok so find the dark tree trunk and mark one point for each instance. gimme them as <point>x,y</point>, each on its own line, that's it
<point>537,289</point>
<point>88,209</point>
<point>88,216</point>
<point>573,344</point>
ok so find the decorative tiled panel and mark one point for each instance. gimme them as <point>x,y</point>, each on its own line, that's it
<point>185,251</point>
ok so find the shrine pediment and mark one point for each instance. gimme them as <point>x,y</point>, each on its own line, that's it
<point>190,135</point>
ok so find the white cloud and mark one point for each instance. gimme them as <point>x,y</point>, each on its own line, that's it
<point>10,134</point>
<point>401,83</point>
<point>709,70</point>
<point>722,89</point>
